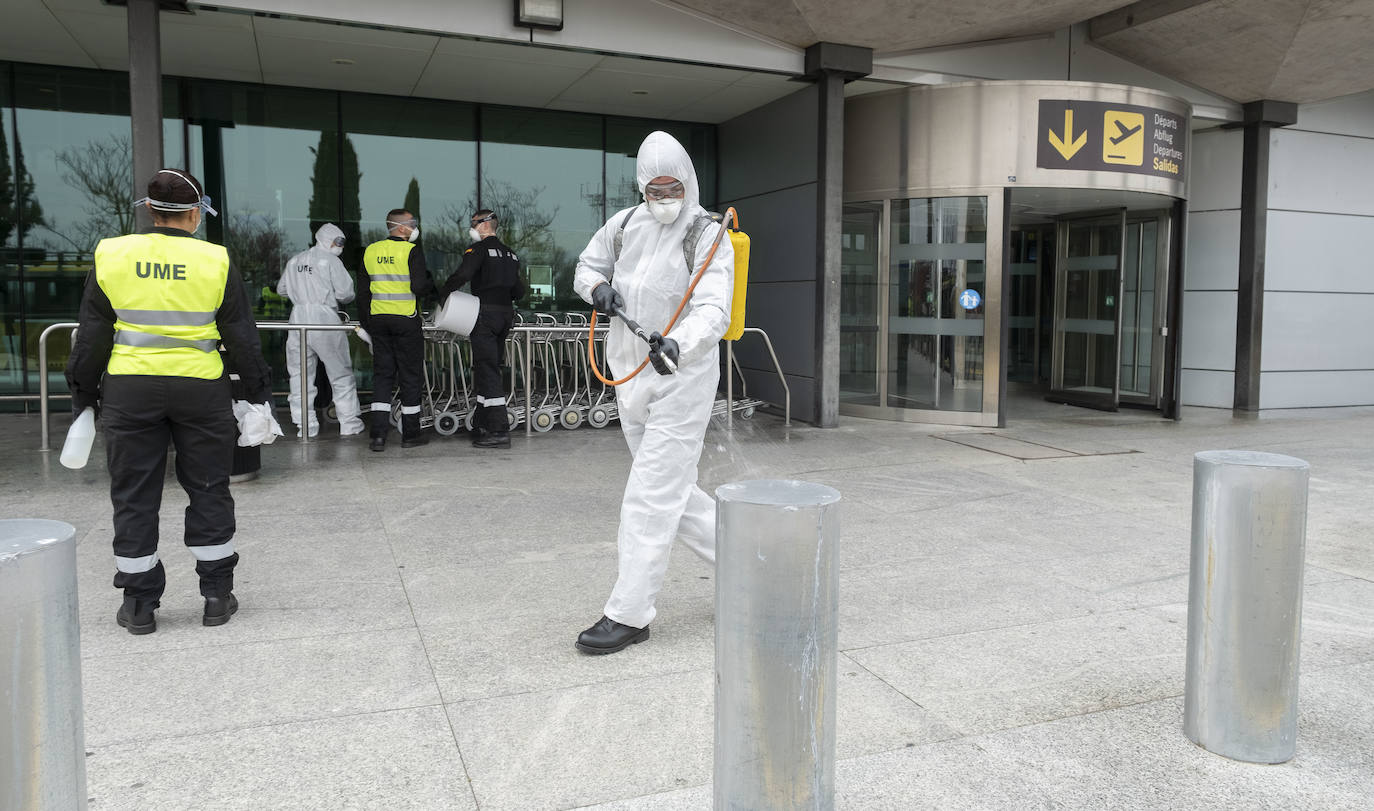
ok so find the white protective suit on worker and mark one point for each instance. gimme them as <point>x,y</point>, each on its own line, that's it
<point>663,416</point>
<point>318,284</point>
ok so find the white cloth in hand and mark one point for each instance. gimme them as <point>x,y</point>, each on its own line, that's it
<point>257,426</point>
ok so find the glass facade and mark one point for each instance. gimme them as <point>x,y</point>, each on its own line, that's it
<point>280,161</point>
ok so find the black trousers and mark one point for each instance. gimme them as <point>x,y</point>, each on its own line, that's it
<point>488,354</point>
<point>398,357</point>
<point>141,415</point>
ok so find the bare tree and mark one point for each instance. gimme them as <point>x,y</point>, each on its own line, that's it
<point>102,172</point>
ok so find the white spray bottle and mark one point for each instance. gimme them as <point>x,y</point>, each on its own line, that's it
<point>77,449</point>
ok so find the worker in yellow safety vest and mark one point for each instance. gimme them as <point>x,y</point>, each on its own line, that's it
<point>155,310</point>
<point>393,278</point>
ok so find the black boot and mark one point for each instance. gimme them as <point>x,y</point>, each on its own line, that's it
<point>218,610</point>
<point>378,443</point>
<point>492,439</point>
<point>414,441</point>
<point>137,616</point>
<point>609,636</point>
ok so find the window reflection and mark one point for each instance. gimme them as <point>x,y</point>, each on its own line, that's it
<point>539,170</point>
<point>859,297</point>
<point>419,155</point>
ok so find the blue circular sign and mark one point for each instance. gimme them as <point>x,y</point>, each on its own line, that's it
<point>970,300</point>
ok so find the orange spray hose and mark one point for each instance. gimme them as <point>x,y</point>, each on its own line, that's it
<point>730,217</point>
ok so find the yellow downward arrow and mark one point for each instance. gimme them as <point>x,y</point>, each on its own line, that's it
<point>1070,145</point>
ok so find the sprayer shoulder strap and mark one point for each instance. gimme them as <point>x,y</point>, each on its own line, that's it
<point>689,241</point>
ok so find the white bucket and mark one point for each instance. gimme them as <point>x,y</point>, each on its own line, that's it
<point>458,314</point>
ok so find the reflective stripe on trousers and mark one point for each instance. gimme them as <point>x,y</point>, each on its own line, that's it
<point>136,565</point>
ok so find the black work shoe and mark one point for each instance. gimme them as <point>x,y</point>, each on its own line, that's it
<point>378,443</point>
<point>138,622</point>
<point>609,636</point>
<point>218,610</point>
<point>492,440</point>
<point>415,441</point>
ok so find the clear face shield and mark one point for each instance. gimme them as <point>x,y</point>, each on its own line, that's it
<point>409,222</point>
<point>172,208</point>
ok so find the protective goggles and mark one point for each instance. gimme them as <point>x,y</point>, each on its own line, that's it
<point>203,204</point>
<point>338,242</point>
<point>409,223</point>
<point>476,221</point>
<point>662,191</point>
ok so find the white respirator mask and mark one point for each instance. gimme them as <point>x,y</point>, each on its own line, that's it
<point>476,237</point>
<point>337,250</point>
<point>665,211</point>
<point>414,234</point>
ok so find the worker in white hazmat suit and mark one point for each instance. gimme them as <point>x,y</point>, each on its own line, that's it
<point>317,284</point>
<point>636,262</point>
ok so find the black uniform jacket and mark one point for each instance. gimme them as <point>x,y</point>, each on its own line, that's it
<point>95,338</point>
<point>494,271</point>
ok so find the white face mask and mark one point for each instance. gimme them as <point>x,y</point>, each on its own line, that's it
<point>665,211</point>
<point>337,250</point>
<point>476,237</point>
<point>414,234</point>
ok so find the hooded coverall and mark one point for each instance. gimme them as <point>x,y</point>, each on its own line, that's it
<point>317,284</point>
<point>664,417</point>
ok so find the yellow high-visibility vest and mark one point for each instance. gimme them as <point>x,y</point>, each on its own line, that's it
<point>165,291</point>
<point>388,274</point>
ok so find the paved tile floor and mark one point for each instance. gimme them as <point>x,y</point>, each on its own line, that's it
<point>1013,623</point>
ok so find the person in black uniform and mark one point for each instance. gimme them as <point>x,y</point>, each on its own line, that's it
<point>155,309</point>
<point>392,279</point>
<point>494,271</point>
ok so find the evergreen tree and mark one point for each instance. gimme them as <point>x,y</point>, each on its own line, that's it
<point>324,184</point>
<point>412,203</point>
<point>30,211</point>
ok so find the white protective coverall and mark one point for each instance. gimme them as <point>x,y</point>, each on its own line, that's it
<point>664,417</point>
<point>317,284</point>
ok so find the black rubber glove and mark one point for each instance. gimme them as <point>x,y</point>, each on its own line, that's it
<point>81,403</point>
<point>663,354</point>
<point>605,299</point>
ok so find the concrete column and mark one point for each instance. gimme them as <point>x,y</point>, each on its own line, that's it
<point>830,65</point>
<point>1260,118</point>
<point>145,96</point>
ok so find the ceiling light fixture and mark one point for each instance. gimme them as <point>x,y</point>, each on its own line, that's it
<point>639,92</point>
<point>343,60</point>
<point>546,14</point>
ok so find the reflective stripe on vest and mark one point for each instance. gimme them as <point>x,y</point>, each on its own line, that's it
<point>388,276</point>
<point>166,291</point>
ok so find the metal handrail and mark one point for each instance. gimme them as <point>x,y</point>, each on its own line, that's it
<point>43,375</point>
<point>786,390</point>
<point>349,326</point>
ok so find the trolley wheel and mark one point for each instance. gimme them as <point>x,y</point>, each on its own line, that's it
<point>446,423</point>
<point>544,419</point>
<point>571,418</point>
<point>512,418</point>
<point>331,414</point>
<point>469,418</point>
<point>747,413</point>
<point>599,416</point>
<point>396,416</point>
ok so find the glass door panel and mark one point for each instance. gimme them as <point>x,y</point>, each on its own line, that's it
<point>1087,323</point>
<point>860,289</point>
<point>936,290</point>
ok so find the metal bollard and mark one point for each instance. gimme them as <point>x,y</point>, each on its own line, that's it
<point>777,638</point>
<point>42,732</point>
<point>1245,604</point>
